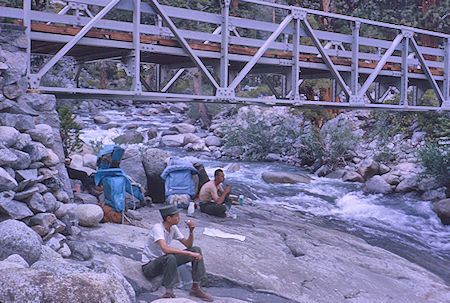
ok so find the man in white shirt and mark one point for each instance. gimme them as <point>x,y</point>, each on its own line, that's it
<point>165,259</point>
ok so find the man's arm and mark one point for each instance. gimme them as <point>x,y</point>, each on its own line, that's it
<point>190,240</point>
<point>220,199</point>
<point>172,250</point>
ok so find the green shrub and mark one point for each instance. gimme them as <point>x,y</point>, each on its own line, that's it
<point>253,135</point>
<point>70,129</point>
<point>331,145</point>
<point>436,160</point>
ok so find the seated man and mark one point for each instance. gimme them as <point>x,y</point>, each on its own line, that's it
<point>213,198</point>
<point>164,259</point>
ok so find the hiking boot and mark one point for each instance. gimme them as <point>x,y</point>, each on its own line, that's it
<point>200,293</point>
<point>169,295</point>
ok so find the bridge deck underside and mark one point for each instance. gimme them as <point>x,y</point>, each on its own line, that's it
<point>168,52</point>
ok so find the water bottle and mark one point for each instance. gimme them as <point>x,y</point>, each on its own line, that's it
<point>191,209</point>
<point>241,199</point>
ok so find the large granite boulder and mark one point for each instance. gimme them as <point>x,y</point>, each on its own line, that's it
<point>129,137</point>
<point>154,164</point>
<point>29,285</point>
<point>173,140</point>
<point>89,214</point>
<point>18,238</point>
<point>352,176</point>
<point>368,168</point>
<point>132,165</point>
<point>408,184</point>
<point>184,128</point>
<point>377,185</point>
<point>442,209</point>
<point>281,177</point>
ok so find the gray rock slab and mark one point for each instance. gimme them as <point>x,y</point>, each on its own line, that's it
<point>18,121</point>
<point>23,160</point>
<point>23,284</point>
<point>8,136</point>
<point>24,195</point>
<point>26,174</point>
<point>15,209</point>
<point>36,151</point>
<point>17,238</point>
<point>7,157</point>
<point>281,177</point>
<point>43,219</point>
<point>303,262</point>
<point>173,140</point>
<point>38,102</point>
<point>36,203</point>
<point>7,182</point>
<point>42,133</point>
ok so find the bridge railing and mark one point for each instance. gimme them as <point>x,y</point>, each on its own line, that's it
<point>294,48</point>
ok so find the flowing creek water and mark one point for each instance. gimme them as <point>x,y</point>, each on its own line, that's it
<point>399,223</point>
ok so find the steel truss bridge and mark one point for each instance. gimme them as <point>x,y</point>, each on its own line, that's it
<point>362,69</point>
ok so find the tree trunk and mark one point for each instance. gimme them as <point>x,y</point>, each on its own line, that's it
<point>102,75</point>
<point>205,117</point>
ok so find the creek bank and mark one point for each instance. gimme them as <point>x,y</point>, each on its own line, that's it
<point>296,263</point>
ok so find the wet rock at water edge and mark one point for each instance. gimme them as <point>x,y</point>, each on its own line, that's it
<point>101,119</point>
<point>183,128</point>
<point>129,137</point>
<point>281,177</point>
<point>352,176</point>
<point>377,185</point>
<point>442,209</point>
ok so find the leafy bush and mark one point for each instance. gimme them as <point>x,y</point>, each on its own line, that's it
<point>332,145</point>
<point>70,129</point>
<point>436,160</point>
<point>253,133</point>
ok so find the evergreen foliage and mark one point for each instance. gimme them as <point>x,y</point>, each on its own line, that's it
<point>70,129</point>
<point>436,160</point>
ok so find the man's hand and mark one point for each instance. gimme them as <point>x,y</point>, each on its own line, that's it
<point>67,161</point>
<point>227,188</point>
<point>196,256</point>
<point>190,224</point>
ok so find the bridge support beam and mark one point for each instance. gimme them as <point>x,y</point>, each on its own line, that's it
<point>446,86</point>
<point>354,78</point>
<point>404,78</point>
<point>295,59</point>
<point>136,84</point>
<point>225,5</point>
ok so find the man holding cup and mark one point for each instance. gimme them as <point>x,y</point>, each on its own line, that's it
<point>164,259</point>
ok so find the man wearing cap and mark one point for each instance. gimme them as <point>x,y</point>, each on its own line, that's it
<point>164,259</point>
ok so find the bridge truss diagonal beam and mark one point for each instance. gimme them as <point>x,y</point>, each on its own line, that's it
<point>246,69</point>
<point>325,56</point>
<point>426,69</point>
<point>66,48</point>
<point>380,65</point>
<point>183,42</point>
